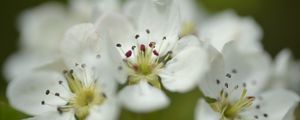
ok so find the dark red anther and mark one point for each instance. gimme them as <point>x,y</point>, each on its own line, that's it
<point>152,44</point>
<point>128,53</point>
<point>142,47</point>
<point>155,53</point>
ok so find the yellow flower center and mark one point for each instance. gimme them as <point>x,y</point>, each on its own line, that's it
<point>83,95</point>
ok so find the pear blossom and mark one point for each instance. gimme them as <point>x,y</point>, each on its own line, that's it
<point>232,90</point>
<point>152,55</point>
<point>227,26</point>
<point>73,86</point>
<point>42,29</point>
<point>286,71</point>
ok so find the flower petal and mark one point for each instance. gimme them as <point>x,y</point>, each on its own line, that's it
<point>27,92</point>
<point>118,30</point>
<point>53,116</point>
<point>286,71</point>
<point>84,45</point>
<point>187,67</point>
<point>42,28</point>
<point>24,62</point>
<point>204,112</point>
<point>213,82</point>
<point>250,68</point>
<point>143,98</point>
<point>107,111</point>
<point>227,26</point>
<point>274,105</point>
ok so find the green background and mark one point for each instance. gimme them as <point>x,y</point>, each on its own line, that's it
<point>280,20</point>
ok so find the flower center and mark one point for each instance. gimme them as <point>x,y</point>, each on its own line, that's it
<point>145,61</point>
<point>83,94</point>
<point>231,110</point>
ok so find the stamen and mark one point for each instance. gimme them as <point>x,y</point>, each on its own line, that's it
<point>155,53</point>
<point>128,53</point>
<point>136,36</point>
<point>118,45</point>
<point>152,44</point>
<point>142,47</point>
<point>47,92</point>
<point>147,31</point>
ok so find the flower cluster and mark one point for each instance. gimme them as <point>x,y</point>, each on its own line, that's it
<point>88,61</point>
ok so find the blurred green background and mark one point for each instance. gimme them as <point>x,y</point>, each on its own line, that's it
<point>280,20</point>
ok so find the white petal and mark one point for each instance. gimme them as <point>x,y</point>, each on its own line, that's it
<point>275,103</point>
<point>118,30</point>
<point>227,26</point>
<point>143,98</point>
<point>80,42</point>
<point>286,71</point>
<point>43,27</point>
<point>251,68</point>
<point>204,112</point>
<point>184,71</point>
<point>107,111</point>
<point>210,86</point>
<point>24,62</point>
<point>53,116</point>
<point>26,92</point>
<point>162,18</point>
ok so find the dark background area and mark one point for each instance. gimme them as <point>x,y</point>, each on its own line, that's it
<point>280,20</point>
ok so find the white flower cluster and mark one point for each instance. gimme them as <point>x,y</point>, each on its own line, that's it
<point>72,62</point>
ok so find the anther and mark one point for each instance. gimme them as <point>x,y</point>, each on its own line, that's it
<point>147,31</point>
<point>155,53</point>
<point>104,95</point>
<point>228,75</point>
<point>226,85</point>
<point>71,71</point>
<point>142,47</point>
<point>128,53</point>
<point>257,107</point>
<point>118,45</point>
<point>65,71</point>
<point>83,65</point>
<point>234,71</point>
<point>265,115</point>
<point>136,36</point>
<point>133,47</point>
<point>251,98</point>
<point>98,56</point>
<point>47,92</point>
<point>60,82</point>
<point>236,87</point>
<point>56,94</point>
<point>152,44</point>
<point>164,38</point>
<point>120,68</point>
<point>218,81</point>
<point>256,117</point>
<point>59,109</point>
<point>43,102</point>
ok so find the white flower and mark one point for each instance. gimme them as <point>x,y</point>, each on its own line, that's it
<point>42,29</point>
<point>79,91</point>
<point>233,87</point>
<point>227,26</point>
<point>286,71</point>
<point>153,55</point>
